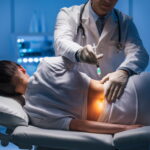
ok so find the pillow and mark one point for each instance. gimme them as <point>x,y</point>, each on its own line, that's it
<point>12,113</point>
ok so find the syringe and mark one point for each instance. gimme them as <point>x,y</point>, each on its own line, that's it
<point>98,69</point>
<point>97,65</point>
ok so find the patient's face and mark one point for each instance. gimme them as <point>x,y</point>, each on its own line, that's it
<point>13,78</point>
<point>21,80</point>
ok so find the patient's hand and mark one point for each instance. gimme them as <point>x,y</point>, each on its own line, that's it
<point>129,127</point>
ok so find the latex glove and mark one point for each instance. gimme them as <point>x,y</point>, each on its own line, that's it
<point>116,82</point>
<point>87,55</point>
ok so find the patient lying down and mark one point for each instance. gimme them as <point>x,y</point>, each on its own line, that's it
<point>60,97</point>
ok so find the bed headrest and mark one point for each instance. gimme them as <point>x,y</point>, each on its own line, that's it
<point>12,113</point>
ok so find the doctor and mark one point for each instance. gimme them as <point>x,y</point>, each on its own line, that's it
<point>78,28</point>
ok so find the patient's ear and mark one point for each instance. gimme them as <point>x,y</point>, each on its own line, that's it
<point>20,68</point>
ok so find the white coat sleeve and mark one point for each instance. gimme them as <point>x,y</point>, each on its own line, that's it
<point>136,56</point>
<point>65,31</point>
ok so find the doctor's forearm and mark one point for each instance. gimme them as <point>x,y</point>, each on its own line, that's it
<point>67,48</point>
<point>64,35</point>
<point>136,61</point>
<point>99,127</point>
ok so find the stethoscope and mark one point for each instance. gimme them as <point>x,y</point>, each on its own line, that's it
<point>119,44</point>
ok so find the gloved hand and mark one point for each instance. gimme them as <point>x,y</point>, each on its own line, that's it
<point>116,82</point>
<point>87,55</point>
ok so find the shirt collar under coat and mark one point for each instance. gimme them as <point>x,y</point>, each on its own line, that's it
<point>90,24</point>
<point>88,12</point>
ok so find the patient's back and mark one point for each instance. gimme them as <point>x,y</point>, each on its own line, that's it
<point>56,93</point>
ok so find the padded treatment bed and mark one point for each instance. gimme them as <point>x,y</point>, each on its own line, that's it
<point>61,139</point>
<point>26,136</point>
<point>136,139</point>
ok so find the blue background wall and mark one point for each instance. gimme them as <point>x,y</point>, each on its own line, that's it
<point>141,15</point>
<point>5,24</point>
<point>16,15</point>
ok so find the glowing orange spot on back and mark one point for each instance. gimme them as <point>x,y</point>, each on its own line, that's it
<point>99,105</point>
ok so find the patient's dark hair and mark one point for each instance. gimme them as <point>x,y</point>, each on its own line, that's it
<point>8,71</point>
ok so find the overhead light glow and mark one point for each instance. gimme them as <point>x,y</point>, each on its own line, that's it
<point>30,60</point>
<point>36,60</point>
<point>25,60</point>
<point>19,60</point>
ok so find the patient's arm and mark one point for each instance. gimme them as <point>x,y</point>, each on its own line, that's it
<point>99,127</point>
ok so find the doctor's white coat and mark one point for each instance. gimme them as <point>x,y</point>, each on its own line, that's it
<point>68,41</point>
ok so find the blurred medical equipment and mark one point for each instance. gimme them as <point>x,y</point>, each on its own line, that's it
<point>119,44</point>
<point>32,49</point>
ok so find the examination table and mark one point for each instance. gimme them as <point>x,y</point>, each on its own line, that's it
<point>25,136</point>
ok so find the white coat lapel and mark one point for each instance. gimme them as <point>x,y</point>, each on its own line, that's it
<point>91,28</point>
<point>109,28</point>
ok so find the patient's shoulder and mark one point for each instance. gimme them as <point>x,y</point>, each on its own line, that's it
<point>49,62</point>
